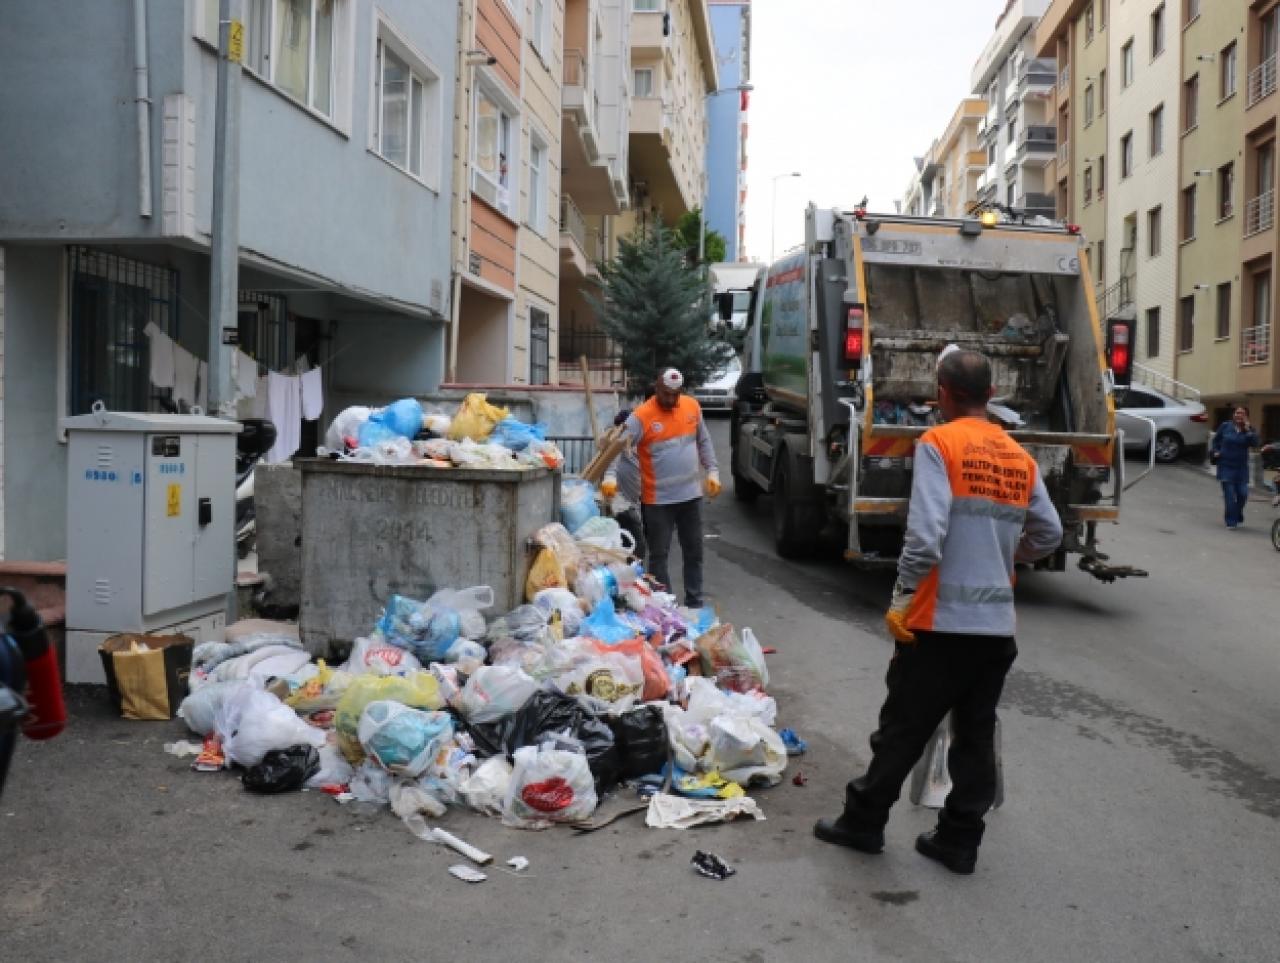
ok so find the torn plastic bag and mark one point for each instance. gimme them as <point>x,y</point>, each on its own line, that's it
<point>371,783</point>
<point>485,790</point>
<point>282,770</point>
<point>641,739</point>
<point>495,691</point>
<point>419,690</point>
<point>400,739</point>
<point>745,751</point>
<point>515,434</point>
<point>334,769</point>
<point>251,722</point>
<point>548,785</point>
<point>577,503</point>
<point>408,797</point>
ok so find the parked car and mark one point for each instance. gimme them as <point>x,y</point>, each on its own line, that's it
<point>1182,427</point>
<point>717,394</point>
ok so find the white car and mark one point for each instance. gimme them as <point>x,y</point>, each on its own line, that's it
<point>1180,425</point>
<point>717,394</point>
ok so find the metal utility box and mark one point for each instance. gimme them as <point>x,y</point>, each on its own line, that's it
<point>370,532</point>
<point>150,528</point>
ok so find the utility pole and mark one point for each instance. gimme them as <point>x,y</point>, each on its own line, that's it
<point>224,252</point>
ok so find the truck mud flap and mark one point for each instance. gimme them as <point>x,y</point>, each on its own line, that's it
<point>1096,566</point>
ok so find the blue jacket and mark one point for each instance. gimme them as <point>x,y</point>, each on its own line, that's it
<point>1232,446</point>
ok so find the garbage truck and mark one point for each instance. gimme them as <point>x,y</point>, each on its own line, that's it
<point>840,374</point>
<point>731,286</point>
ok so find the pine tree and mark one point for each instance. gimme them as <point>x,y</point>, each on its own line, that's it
<point>656,308</point>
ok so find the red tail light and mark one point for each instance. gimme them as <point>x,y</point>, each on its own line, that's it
<point>853,337</point>
<point>1120,350</point>
<point>1200,418</point>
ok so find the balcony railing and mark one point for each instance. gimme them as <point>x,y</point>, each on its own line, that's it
<point>1255,344</point>
<point>1039,137</point>
<point>1035,202</point>
<point>1260,213</point>
<point>1262,80</point>
<point>1036,73</point>
<point>572,222</point>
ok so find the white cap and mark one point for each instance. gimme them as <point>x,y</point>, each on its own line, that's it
<point>949,349</point>
<point>673,379</point>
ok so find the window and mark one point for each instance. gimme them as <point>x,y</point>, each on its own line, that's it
<point>1267,27</point>
<point>1102,175</point>
<point>1153,232</point>
<point>1102,262</point>
<point>1187,323</point>
<point>1189,213</point>
<point>1222,326</point>
<point>407,109</point>
<point>1153,332</point>
<point>1088,185</point>
<point>1155,131</point>
<point>1088,105</point>
<point>1136,398</point>
<point>1088,23</point>
<point>1191,102</point>
<point>537,214</point>
<point>1126,155</point>
<point>646,6</point>
<point>1226,190</point>
<point>1193,9</point>
<point>1102,92</point>
<point>1126,65</point>
<point>1157,31</point>
<point>538,22</point>
<point>1227,71</point>
<point>642,81</point>
<point>1012,127</point>
<point>1255,340</point>
<point>1102,14</point>
<point>1265,159</point>
<point>493,153</point>
<point>290,44</point>
<point>539,346</point>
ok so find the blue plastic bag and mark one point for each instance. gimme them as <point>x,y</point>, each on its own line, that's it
<point>577,503</point>
<point>516,435</point>
<point>400,419</point>
<point>424,630</point>
<point>603,624</point>
<point>403,740</point>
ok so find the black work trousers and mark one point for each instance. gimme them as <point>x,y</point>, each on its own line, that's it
<point>685,520</point>
<point>938,673</point>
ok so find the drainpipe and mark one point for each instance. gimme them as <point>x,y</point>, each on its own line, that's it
<point>462,101</point>
<point>142,98</point>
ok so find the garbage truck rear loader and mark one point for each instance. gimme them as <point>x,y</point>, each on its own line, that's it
<point>840,382</point>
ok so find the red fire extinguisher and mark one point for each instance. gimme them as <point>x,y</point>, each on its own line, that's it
<point>42,686</point>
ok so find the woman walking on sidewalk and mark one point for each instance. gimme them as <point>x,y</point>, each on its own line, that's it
<point>1230,452</point>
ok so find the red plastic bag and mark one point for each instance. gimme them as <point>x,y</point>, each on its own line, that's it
<point>656,682</point>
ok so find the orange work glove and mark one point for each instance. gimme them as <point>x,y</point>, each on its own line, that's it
<point>609,487</point>
<point>712,484</point>
<point>896,617</point>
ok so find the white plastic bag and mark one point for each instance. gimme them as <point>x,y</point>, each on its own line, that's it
<point>199,710</point>
<point>495,691</point>
<point>400,739</point>
<point>408,797</point>
<point>744,750</point>
<point>549,785</point>
<point>485,790</point>
<point>687,737</point>
<point>603,532</point>
<point>252,722</point>
<point>379,657</point>
<point>566,603</point>
<point>334,769</point>
<point>346,425</point>
<point>706,702</point>
<point>371,783</point>
<point>610,677</point>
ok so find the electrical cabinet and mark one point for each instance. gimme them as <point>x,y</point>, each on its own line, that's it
<point>150,527</point>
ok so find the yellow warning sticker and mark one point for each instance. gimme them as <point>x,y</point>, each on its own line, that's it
<point>235,42</point>
<point>174,508</point>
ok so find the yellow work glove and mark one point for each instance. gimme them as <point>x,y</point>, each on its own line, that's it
<point>896,617</point>
<point>712,484</point>
<point>609,487</point>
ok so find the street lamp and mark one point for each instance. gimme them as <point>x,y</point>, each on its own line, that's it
<point>702,213</point>
<point>773,216</point>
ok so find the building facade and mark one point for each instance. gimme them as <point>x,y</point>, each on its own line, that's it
<point>1017,132</point>
<point>727,125</point>
<point>344,158</point>
<point>960,161</point>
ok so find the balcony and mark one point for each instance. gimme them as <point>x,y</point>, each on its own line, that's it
<point>1009,155</point>
<point>1036,203</point>
<point>579,245</point>
<point>988,184</point>
<point>655,159</point>
<point>647,35</point>
<point>579,100</point>
<point>976,160</point>
<point>1262,81</point>
<point>1260,214</point>
<point>1036,77</point>
<point>1037,143</point>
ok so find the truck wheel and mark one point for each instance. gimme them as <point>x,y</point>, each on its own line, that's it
<point>797,514</point>
<point>1168,447</point>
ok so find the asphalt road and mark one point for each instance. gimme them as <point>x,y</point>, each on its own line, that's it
<point>1143,797</point>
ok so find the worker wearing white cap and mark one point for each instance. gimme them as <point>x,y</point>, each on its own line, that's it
<point>677,465</point>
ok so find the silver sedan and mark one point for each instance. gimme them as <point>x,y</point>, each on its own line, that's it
<point>1181,425</point>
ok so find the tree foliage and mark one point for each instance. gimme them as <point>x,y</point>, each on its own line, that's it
<point>655,307</point>
<point>687,228</point>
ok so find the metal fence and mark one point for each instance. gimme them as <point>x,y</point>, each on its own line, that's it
<point>578,451</point>
<point>604,358</point>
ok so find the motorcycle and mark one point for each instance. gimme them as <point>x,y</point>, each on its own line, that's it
<point>256,437</point>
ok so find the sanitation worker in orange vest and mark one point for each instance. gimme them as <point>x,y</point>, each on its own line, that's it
<point>677,466</point>
<point>978,506</point>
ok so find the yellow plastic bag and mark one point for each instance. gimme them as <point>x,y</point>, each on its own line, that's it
<point>419,690</point>
<point>545,572</point>
<point>475,418</point>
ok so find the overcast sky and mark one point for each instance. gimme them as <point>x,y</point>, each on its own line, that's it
<point>846,93</point>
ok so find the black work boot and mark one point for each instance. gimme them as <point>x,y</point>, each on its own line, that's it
<point>957,858</point>
<point>844,834</point>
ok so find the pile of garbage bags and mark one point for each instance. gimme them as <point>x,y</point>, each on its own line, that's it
<point>477,435</point>
<point>600,680</point>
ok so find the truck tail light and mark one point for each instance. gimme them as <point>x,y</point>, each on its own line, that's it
<point>853,336</point>
<point>1120,349</point>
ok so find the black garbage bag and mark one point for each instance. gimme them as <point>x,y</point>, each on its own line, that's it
<point>547,712</point>
<point>282,770</point>
<point>641,737</point>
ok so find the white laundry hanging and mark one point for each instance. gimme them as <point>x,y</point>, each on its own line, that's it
<point>312,395</point>
<point>284,408</point>
<point>186,369</point>
<point>246,376</point>
<point>161,356</point>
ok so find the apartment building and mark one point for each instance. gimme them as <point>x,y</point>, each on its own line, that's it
<point>727,126</point>
<point>595,136</point>
<point>1074,33</point>
<point>507,137</point>
<point>1018,132</point>
<point>1148,216</point>
<point>945,180</point>
<point>105,206</point>
<point>1211,213</point>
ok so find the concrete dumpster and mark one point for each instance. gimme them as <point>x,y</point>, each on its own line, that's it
<point>369,532</point>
